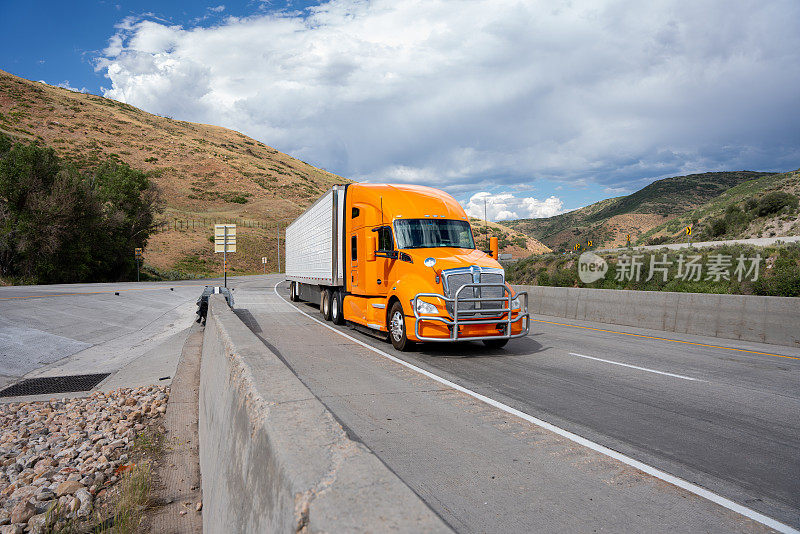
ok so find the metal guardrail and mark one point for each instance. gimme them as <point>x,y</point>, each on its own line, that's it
<point>457,321</point>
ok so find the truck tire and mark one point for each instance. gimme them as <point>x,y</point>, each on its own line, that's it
<point>325,305</point>
<point>337,312</point>
<point>293,292</point>
<point>495,343</point>
<point>397,329</point>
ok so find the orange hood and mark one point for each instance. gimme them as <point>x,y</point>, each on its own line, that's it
<point>450,258</point>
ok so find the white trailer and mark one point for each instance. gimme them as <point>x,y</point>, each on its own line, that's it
<point>315,252</point>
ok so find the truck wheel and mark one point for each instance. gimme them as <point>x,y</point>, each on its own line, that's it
<point>397,328</point>
<point>337,314</point>
<point>495,343</point>
<point>325,305</point>
<point>293,292</point>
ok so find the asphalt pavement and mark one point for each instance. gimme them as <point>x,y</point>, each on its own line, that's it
<point>724,416</point>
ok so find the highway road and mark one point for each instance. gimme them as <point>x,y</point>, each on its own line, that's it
<point>722,414</point>
<point>725,417</point>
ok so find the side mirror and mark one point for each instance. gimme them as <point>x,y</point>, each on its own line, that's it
<point>371,248</point>
<point>494,246</point>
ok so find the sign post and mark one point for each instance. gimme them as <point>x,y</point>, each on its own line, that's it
<point>629,241</point>
<point>688,231</point>
<point>137,252</point>
<point>225,241</point>
<point>264,261</point>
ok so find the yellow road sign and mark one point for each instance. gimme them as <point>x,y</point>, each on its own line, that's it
<point>688,230</point>
<point>224,238</point>
<point>589,243</point>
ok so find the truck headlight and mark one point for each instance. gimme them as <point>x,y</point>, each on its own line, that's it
<point>516,304</point>
<point>426,308</point>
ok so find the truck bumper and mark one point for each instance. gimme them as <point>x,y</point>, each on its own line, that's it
<point>473,324</point>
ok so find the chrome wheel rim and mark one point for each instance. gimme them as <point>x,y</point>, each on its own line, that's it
<point>334,307</point>
<point>325,304</point>
<point>397,326</point>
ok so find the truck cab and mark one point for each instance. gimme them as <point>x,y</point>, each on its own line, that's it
<point>411,269</point>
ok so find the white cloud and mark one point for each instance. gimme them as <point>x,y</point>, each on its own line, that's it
<point>505,206</point>
<point>66,85</point>
<point>489,93</point>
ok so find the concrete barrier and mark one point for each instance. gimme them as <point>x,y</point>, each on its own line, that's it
<point>773,320</point>
<point>274,459</point>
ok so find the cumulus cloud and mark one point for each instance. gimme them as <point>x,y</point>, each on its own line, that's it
<point>487,94</point>
<point>66,85</point>
<point>505,206</point>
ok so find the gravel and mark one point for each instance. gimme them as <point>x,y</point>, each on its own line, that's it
<point>66,452</point>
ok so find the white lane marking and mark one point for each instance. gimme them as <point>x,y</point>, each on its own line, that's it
<point>637,367</point>
<point>652,471</point>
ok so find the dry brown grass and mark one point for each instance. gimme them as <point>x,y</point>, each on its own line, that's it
<point>200,169</point>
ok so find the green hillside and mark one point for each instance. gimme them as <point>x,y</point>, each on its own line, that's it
<point>658,210</point>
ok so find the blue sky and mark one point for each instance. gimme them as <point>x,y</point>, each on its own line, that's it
<point>536,107</point>
<point>59,41</point>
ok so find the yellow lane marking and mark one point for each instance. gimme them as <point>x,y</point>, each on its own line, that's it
<point>667,339</point>
<point>96,292</point>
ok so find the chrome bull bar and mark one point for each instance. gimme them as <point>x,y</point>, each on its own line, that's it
<point>458,321</point>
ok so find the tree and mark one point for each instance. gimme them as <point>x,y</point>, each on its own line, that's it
<point>61,224</point>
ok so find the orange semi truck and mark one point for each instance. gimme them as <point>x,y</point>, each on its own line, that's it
<point>401,260</point>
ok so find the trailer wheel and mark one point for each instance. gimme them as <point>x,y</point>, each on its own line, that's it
<point>337,314</point>
<point>293,292</point>
<point>325,305</point>
<point>397,328</point>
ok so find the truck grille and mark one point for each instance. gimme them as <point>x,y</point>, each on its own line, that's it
<point>456,280</point>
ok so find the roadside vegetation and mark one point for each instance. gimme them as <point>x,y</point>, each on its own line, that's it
<point>779,271</point>
<point>62,223</point>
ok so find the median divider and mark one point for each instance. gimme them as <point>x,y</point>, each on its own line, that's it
<point>274,459</point>
<point>774,320</point>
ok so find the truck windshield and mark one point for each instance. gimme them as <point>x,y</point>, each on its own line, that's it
<point>429,233</point>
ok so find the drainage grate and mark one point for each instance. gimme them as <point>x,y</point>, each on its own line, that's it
<point>53,384</point>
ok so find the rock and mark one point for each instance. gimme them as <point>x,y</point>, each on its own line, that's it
<point>68,487</point>
<point>22,512</point>
<point>37,524</point>
<point>182,512</point>
<point>73,505</point>
<point>11,529</point>
<point>24,493</point>
<point>86,503</point>
<point>45,494</point>
<point>199,506</point>
<point>44,507</point>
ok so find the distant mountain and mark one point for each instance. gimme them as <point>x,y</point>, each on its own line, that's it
<point>655,210</point>
<point>509,240</point>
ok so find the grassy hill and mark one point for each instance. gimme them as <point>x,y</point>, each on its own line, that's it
<point>509,240</point>
<point>735,214</point>
<point>660,209</point>
<point>206,174</point>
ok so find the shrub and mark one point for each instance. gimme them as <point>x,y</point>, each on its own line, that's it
<point>717,227</point>
<point>774,202</point>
